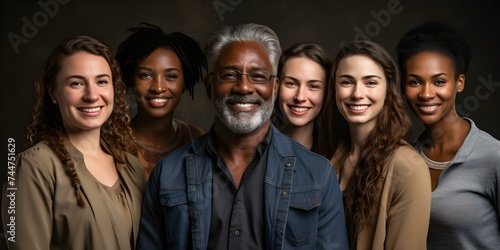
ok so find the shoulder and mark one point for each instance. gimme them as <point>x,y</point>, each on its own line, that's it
<point>40,152</point>
<point>407,162</point>
<point>192,130</point>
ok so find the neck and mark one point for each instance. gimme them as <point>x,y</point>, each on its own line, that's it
<point>451,130</point>
<point>229,143</point>
<point>359,134</point>
<point>302,134</point>
<point>87,142</point>
<point>156,133</point>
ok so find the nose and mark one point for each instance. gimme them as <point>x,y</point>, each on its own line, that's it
<point>158,86</point>
<point>243,86</point>
<point>300,95</point>
<point>358,91</point>
<point>426,92</point>
<point>91,94</point>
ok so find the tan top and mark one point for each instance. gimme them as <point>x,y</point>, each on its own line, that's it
<point>184,134</point>
<point>47,215</point>
<point>402,220</point>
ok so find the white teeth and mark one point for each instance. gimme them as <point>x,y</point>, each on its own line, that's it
<point>244,105</point>
<point>299,109</point>
<point>90,110</point>
<point>159,100</point>
<point>430,107</point>
<point>358,107</point>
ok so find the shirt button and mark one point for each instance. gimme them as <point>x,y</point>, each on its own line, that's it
<point>236,232</point>
<point>283,193</point>
<point>288,164</point>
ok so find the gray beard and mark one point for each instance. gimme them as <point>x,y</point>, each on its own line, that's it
<point>244,122</point>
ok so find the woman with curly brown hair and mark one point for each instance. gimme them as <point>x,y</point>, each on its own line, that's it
<point>385,182</point>
<point>78,185</point>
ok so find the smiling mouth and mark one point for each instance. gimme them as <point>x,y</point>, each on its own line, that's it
<point>358,107</point>
<point>298,109</point>
<point>428,107</point>
<point>90,110</point>
<point>158,100</point>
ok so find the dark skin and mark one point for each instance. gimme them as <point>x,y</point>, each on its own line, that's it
<point>238,150</point>
<point>431,85</point>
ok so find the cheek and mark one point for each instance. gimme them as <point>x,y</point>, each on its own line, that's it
<point>285,94</point>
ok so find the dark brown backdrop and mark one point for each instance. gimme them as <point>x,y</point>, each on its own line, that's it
<point>30,29</point>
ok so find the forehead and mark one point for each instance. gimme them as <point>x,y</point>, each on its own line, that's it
<point>243,55</point>
<point>359,65</point>
<point>430,61</point>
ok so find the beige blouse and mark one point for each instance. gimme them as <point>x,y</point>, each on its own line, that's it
<point>402,219</point>
<point>47,214</point>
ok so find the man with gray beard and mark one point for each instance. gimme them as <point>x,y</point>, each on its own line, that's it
<point>243,185</point>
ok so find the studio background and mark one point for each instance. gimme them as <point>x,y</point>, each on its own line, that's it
<point>31,29</point>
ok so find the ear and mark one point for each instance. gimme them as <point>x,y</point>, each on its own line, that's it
<point>276,85</point>
<point>208,86</point>
<point>460,83</point>
<point>52,96</point>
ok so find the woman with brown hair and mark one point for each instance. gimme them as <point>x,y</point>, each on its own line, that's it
<point>385,182</point>
<point>77,185</point>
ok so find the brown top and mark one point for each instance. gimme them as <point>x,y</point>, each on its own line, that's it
<point>47,214</point>
<point>402,220</point>
<point>185,133</point>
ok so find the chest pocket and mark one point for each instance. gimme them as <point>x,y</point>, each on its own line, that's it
<point>172,197</point>
<point>302,221</point>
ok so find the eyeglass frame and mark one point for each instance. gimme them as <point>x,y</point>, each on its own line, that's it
<point>240,74</point>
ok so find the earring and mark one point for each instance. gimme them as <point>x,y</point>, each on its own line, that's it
<point>54,101</point>
<point>459,91</point>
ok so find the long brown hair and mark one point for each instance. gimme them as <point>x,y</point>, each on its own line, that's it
<point>47,124</point>
<point>317,54</point>
<point>392,125</point>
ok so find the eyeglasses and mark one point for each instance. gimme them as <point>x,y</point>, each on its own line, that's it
<point>234,75</point>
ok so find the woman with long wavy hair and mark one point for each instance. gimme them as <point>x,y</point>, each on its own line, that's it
<point>77,185</point>
<point>385,182</point>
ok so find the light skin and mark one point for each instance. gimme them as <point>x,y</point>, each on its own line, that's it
<point>84,94</point>
<point>238,149</point>
<point>430,86</point>
<point>158,82</point>
<point>360,91</point>
<point>300,98</point>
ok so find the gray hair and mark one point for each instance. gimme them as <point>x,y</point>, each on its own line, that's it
<point>247,32</point>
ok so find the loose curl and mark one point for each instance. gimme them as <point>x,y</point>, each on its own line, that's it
<point>47,124</point>
<point>392,126</point>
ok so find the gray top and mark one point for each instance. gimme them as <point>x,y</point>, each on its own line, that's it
<point>466,202</point>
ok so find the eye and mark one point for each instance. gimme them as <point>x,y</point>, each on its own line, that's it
<point>413,82</point>
<point>315,86</point>
<point>346,82</point>
<point>144,75</point>
<point>290,83</point>
<point>76,83</point>
<point>439,82</point>
<point>371,83</point>
<point>171,77</point>
<point>102,82</point>
<point>258,76</point>
<point>228,75</point>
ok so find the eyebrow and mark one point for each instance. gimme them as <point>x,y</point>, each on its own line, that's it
<point>297,80</point>
<point>167,69</point>
<point>433,76</point>
<point>237,68</point>
<point>83,78</point>
<point>364,77</point>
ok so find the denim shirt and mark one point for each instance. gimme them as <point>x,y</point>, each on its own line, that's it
<point>303,203</point>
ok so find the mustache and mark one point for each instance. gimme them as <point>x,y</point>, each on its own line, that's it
<point>242,98</point>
